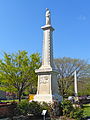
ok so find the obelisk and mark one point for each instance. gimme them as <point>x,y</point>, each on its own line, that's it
<point>75,84</point>
<point>47,90</point>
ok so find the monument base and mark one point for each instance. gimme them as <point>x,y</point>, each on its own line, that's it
<point>47,98</point>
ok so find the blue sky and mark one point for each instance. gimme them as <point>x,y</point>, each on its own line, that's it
<point>21,21</point>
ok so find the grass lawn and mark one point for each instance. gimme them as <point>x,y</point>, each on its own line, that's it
<point>86,108</point>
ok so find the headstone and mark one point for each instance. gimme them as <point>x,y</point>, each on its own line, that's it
<point>47,90</point>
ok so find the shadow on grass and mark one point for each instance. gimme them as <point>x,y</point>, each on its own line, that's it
<point>86,106</point>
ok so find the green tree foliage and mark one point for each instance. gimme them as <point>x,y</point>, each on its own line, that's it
<point>84,87</point>
<point>84,84</point>
<point>66,67</point>
<point>17,72</point>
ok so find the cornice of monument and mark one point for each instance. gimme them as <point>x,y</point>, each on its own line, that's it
<point>45,27</point>
<point>46,69</point>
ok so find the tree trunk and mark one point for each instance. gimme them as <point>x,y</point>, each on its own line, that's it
<point>19,96</point>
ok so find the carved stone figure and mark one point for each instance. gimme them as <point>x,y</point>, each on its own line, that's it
<point>48,20</point>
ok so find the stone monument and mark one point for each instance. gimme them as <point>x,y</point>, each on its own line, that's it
<point>75,84</point>
<point>47,90</point>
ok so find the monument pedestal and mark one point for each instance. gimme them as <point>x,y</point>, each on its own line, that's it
<point>47,98</point>
<point>47,90</point>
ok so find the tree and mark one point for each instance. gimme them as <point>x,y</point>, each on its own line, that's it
<point>84,87</point>
<point>66,67</point>
<point>17,72</point>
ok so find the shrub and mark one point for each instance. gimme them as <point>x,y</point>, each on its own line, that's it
<point>77,114</point>
<point>67,107</point>
<point>70,111</point>
<point>60,109</point>
<point>23,107</point>
<point>47,107</point>
<point>35,108</point>
<point>53,110</point>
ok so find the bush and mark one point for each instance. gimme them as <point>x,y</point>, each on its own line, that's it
<point>23,107</point>
<point>67,107</point>
<point>77,114</point>
<point>60,109</point>
<point>70,111</point>
<point>35,108</point>
<point>47,107</point>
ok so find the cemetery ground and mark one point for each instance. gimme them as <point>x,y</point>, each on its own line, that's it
<point>36,108</point>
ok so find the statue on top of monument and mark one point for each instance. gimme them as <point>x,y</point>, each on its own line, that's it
<point>48,20</point>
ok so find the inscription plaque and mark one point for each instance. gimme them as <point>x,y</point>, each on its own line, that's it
<point>44,79</point>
